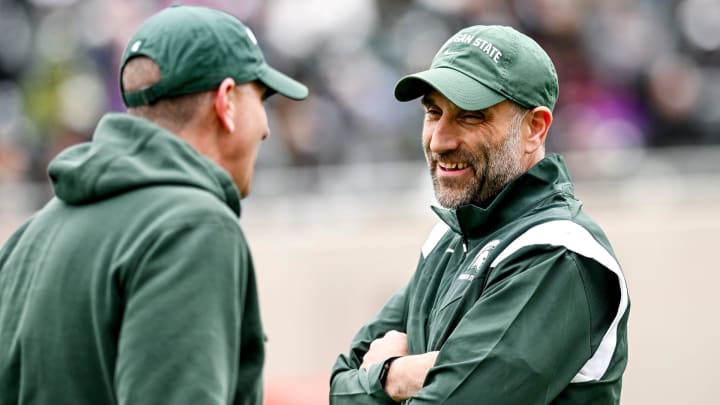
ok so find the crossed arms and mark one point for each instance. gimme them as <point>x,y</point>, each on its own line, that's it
<point>521,342</point>
<point>406,374</point>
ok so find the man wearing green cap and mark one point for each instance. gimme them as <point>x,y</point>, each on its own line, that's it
<point>517,297</point>
<point>135,285</point>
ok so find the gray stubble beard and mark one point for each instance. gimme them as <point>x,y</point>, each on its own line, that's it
<point>499,166</point>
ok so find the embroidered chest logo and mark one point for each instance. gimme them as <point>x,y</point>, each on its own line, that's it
<point>477,263</point>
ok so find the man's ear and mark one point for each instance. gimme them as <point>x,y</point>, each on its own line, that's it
<point>539,120</point>
<point>226,104</point>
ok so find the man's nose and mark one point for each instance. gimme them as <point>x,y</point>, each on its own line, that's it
<point>444,136</point>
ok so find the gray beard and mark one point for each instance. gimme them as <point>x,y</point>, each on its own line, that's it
<point>495,167</point>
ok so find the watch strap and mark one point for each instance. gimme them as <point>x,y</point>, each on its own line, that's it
<point>384,371</point>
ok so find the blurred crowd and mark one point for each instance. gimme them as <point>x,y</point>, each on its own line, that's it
<point>633,73</point>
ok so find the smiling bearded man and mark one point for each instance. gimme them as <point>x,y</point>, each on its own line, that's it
<point>491,166</point>
<point>517,298</point>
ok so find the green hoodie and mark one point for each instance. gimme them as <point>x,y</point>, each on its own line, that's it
<point>135,284</point>
<point>524,301</point>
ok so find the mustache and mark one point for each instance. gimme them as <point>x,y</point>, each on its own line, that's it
<point>454,156</point>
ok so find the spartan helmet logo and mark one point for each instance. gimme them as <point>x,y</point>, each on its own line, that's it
<point>483,255</point>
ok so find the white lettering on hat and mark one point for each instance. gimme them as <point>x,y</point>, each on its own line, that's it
<point>467,39</point>
<point>489,49</point>
<point>464,38</point>
<point>251,35</point>
<point>136,46</point>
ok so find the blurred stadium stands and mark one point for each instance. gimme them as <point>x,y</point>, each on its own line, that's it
<point>339,203</point>
<point>633,73</point>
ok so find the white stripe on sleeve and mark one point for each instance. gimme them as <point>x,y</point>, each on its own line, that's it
<point>577,239</point>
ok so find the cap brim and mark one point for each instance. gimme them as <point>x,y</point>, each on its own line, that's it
<point>462,90</point>
<point>283,84</point>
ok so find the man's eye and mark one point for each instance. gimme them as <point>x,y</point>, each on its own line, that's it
<point>474,116</point>
<point>432,112</point>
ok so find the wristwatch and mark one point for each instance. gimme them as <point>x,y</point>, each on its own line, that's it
<point>386,369</point>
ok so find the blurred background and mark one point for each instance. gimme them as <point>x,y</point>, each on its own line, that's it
<point>340,200</point>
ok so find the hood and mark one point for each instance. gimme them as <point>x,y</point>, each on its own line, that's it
<point>128,153</point>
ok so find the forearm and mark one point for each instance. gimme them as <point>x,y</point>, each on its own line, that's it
<point>406,375</point>
<point>356,381</point>
<point>356,386</point>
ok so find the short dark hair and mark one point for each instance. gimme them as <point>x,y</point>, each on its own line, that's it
<point>171,112</point>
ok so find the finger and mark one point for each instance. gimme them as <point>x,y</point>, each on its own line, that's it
<point>395,334</point>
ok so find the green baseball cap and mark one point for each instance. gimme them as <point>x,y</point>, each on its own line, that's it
<point>196,48</point>
<point>481,66</point>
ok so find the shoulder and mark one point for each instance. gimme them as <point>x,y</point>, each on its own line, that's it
<point>563,233</point>
<point>166,215</point>
<point>9,245</point>
<point>176,206</point>
<point>438,232</point>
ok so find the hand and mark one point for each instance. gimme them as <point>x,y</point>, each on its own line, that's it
<point>394,343</point>
<point>407,375</point>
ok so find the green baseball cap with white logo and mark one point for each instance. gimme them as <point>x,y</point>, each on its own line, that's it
<point>481,66</point>
<point>196,48</point>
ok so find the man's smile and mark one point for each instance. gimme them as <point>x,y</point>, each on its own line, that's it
<point>452,168</point>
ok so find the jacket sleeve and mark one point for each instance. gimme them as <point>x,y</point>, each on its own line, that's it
<point>522,341</point>
<point>181,335</point>
<point>348,384</point>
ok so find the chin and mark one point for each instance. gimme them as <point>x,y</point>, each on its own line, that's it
<point>451,197</point>
<point>450,201</point>
<point>243,188</point>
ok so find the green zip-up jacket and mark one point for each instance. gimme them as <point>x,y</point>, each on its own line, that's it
<point>524,300</point>
<point>135,284</point>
